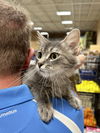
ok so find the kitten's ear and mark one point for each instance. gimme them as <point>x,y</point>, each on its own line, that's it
<point>42,39</point>
<point>72,39</point>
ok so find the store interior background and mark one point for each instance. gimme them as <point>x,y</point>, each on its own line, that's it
<point>81,14</point>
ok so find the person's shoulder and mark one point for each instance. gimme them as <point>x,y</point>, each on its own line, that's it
<point>65,116</point>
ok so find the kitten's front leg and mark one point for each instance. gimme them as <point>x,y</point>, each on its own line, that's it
<point>73,99</point>
<point>44,107</point>
<point>45,111</point>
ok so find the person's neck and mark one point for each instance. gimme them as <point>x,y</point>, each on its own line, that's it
<point>9,81</point>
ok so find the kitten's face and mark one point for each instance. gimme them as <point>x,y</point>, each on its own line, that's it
<point>55,58</point>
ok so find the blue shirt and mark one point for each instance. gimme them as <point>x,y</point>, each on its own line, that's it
<point>18,114</point>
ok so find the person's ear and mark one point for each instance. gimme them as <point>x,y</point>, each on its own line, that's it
<point>28,58</point>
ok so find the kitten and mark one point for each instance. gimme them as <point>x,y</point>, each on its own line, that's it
<point>55,63</point>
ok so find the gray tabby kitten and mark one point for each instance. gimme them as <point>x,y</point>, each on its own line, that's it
<point>55,63</point>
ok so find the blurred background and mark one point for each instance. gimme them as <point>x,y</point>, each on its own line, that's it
<point>54,18</point>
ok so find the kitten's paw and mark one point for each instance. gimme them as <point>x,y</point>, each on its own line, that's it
<point>46,113</point>
<point>76,103</point>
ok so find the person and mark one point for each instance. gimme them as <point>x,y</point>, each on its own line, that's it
<point>18,110</point>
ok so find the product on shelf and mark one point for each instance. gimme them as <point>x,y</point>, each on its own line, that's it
<point>92,130</point>
<point>89,119</point>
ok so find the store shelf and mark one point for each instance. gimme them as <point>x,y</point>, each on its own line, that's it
<point>88,99</point>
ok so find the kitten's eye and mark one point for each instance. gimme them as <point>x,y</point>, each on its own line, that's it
<point>39,55</point>
<point>54,56</point>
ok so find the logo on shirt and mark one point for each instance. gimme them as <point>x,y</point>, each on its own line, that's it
<point>8,113</point>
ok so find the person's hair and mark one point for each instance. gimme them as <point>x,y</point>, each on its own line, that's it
<point>15,30</point>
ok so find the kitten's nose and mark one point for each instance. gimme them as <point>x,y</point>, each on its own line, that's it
<point>40,64</point>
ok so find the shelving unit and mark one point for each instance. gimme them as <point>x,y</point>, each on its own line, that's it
<point>89,89</point>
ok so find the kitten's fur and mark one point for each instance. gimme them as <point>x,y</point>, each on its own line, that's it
<point>50,76</point>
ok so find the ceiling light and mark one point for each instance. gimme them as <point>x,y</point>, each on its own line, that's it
<point>70,28</point>
<point>67,22</point>
<point>67,33</point>
<point>61,13</point>
<point>31,23</point>
<point>37,28</point>
<point>44,33</point>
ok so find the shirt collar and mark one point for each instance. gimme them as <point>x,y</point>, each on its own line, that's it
<point>14,95</point>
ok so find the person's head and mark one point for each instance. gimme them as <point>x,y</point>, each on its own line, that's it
<point>15,30</point>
